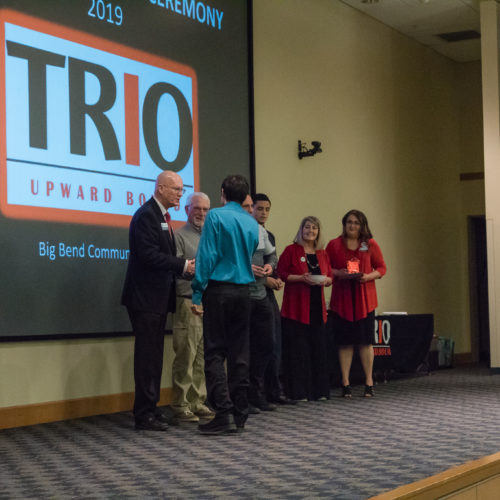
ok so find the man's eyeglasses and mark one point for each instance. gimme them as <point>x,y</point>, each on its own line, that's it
<point>174,189</point>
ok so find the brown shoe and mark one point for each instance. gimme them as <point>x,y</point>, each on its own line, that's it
<point>203,411</point>
<point>186,415</point>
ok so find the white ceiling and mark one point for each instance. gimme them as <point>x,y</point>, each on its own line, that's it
<point>424,19</point>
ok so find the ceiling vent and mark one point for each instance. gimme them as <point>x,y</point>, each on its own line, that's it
<point>459,36</point>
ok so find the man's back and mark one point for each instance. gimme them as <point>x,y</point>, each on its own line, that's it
<point>228,240</point>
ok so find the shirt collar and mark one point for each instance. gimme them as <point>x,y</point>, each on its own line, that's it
<point>235,204</point>
<point>162,208</point>
<point>193,227</point>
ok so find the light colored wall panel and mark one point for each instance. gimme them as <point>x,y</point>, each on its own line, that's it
<point>467,494</point>
<point>389,114</point>
<point>490,40</point>
<point>489,490</point>
<point>37,372</point>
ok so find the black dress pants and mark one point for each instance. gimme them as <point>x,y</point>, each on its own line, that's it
<point>261,346</point>
<point>272,377</point>
<point>226,313</point>
<point>149,331</point>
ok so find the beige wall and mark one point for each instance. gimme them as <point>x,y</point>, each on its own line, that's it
<point>38,372</point>
<point>485,490</point>
<point>471,192</point>
<point>490,48</point>
<point>394,119</point>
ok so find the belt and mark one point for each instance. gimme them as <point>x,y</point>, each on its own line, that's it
<point>226,283</point>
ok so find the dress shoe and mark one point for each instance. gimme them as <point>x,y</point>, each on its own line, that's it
<point>283,400</point>
<point>203,411</point>
<point>253,410</point>
<point>240,423</point>
<point>166,417</point>
<point>263,405</point>
<point>369,392</point>
<point>219,425</point>
<point>346,392</point>
<point>186,415</point>
<point>150,424</point>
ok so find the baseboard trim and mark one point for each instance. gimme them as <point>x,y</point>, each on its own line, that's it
<point>447,482</point>
<point>462,358</point>
<point>53,411</point>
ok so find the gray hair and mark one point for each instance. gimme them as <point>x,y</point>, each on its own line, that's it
<point>196,195</point>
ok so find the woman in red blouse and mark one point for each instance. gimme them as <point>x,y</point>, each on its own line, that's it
<point>356,262</point>
<point>305,268</point>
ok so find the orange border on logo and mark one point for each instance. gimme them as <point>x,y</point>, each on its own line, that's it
<point>72,35</point>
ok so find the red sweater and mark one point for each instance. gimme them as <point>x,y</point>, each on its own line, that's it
<point>365,296</point>
<point>296,297</point>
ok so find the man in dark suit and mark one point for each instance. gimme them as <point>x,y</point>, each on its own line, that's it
<point>149,294</point>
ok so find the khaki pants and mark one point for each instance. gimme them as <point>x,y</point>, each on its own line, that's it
<point>188,376</point>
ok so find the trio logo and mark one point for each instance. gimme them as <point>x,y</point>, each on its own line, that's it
<point>89,124</point>
<point>382,338</point>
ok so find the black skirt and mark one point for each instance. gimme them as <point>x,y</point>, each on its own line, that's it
<point>361,332</point>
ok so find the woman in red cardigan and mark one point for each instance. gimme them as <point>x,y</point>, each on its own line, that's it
<point>357,261</point>
<point>305,268</point>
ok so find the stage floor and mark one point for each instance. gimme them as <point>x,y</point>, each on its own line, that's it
<point>413,428</point>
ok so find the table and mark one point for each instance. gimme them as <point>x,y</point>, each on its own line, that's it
<point>401,342</point>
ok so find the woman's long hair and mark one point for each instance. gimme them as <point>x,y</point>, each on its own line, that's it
<point>318,243</point>
<point>364,231</point>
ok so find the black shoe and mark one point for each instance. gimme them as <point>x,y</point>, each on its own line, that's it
<point>265,406</point>
<point>150,424</point>
<point>240,423</point>
<point>253,410</point>
<point>346,391</point>
<point>369,392</point>
<point>219,425</point>
<point>166,417</point>
<point>283,400</point>
<point>262,404</point>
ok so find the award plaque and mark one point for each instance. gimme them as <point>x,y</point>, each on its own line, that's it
<point>353,272</point>
<point>353,266</point>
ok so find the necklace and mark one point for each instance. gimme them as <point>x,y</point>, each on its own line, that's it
<point>311,264</point>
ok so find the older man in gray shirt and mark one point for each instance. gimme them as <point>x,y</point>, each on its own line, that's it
<point>188,378</point>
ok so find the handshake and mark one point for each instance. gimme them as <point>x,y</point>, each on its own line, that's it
<point>190,268</point>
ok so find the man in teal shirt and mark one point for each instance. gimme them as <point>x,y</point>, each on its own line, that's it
<point>223,271</point>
